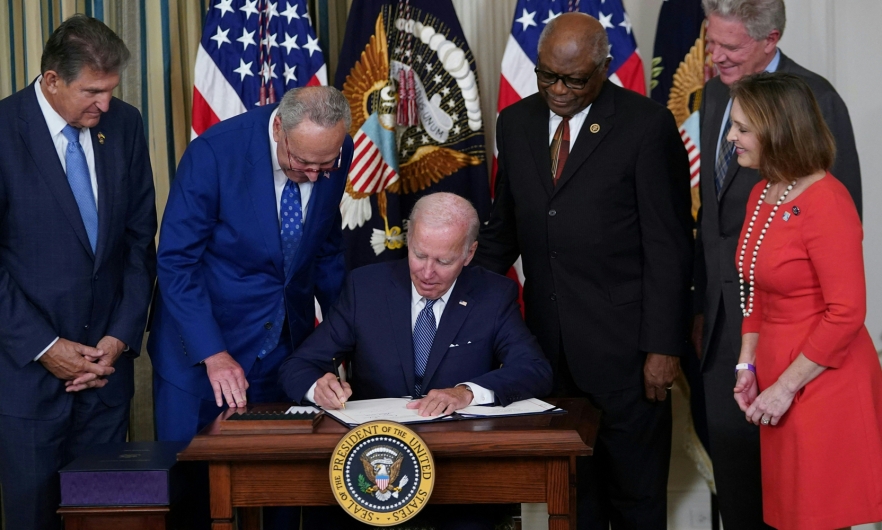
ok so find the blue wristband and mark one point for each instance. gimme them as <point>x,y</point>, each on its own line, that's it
<point>745,366</point>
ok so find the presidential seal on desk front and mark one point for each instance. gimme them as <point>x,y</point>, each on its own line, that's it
<point>382,473</point>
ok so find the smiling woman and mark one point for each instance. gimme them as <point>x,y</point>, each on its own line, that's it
<point>808,374</point>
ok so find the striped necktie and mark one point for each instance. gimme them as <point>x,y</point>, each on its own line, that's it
<point>423,337</point>
<point>724,156</point>
<point>560,148</point>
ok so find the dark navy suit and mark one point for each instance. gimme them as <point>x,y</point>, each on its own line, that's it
<point>481,328</point>
<point>53,285</point>
<point>221,273</point>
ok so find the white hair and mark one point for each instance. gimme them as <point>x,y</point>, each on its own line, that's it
<point>447,209</point>
<point>760,17</point>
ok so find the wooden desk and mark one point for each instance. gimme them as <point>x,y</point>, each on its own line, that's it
<point>504,460</point>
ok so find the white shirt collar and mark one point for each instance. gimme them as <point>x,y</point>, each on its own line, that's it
<point>53,119</point>
<point>416,297</point>
<point>579,115</point>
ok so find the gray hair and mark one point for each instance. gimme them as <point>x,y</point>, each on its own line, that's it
<point>82,41</point>
<point>325,106</point>
<point>598,41</point>
<point>447,209</point>
<point>760,17</point>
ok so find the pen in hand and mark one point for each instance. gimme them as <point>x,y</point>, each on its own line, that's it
<point>337,366</point>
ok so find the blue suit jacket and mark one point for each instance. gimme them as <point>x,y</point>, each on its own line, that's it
<point>481,328</point>
<point>51,283</point>
<point>221,275</point>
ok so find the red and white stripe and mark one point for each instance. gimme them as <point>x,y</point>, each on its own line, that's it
<point>369,173</point>
<point>694,157</point>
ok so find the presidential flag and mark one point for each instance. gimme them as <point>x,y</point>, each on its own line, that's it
<point>251,52</point>
<point>679,72</point>
<point>410,79</point>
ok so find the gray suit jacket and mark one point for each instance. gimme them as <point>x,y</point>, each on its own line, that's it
<point>720,219</point>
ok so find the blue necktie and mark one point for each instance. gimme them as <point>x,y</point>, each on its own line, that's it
<point>423,337</point>
<point>292,221</point>
<point>81,183</point>
<point>724,155</point>
<point>291,215</point>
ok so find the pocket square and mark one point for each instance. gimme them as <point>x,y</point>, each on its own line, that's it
<point>454,345</point>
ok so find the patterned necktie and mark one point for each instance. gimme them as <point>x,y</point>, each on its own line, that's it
<point>291,215</point>
<point>560,149</point>
<point>292,221</point>
<point>81,183</point>
<point>423,337</point>
<point>724,155</point>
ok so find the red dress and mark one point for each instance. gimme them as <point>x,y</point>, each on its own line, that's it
<point>822,463</point>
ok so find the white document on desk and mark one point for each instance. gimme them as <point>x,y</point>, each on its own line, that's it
<point>518,408</point>
<point>387,409</point>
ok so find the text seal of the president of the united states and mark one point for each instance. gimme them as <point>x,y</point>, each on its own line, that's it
<point>382,473</point>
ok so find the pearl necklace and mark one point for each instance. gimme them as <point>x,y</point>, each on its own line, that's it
<point>747,301</point>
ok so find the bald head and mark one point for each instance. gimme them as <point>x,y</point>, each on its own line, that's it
<point>579,30</point>
<point>573,62</point>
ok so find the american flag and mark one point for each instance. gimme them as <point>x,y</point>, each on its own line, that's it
<point>252,51</point>
<point>521,53</point>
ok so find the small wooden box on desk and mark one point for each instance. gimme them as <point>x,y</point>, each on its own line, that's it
<point>503,460</point>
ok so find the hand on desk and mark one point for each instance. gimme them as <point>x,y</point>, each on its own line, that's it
<point>444,401</point>
<point>331,393</point>
<point>227,379</point>
<point>72,362</point>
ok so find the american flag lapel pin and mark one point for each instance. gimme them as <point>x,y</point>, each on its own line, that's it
<point>786,216</point>
<point>463,303</point>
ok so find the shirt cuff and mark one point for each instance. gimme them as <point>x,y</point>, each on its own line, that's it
<point>310,394</point>
<point>37,358</point>
<point>480,395</point>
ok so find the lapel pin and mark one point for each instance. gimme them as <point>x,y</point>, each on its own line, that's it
<point>595,128</point>
<point>101,138</point>
<point>796,210</point>
<point>463,303</point>
<point>786,216</point>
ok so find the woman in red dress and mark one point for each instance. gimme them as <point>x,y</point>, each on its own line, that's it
<point>808,373</point>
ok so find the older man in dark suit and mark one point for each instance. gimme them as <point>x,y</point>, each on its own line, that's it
<point>602,224</point>
<point>77,264</point>
<point>426,326</point>
<point>742,38</point>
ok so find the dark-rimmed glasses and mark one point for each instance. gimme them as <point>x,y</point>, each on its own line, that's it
<point>307,172</point>
<point>573,83</point>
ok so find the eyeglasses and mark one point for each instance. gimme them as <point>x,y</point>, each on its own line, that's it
<point>574,83</point>
<point>307,172</point>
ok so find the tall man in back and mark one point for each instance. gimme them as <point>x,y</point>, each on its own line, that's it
<point>603,226</point>
<point>77,265</point>
<point>742,38</point>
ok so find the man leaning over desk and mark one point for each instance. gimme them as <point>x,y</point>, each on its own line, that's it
<point>426,327</point>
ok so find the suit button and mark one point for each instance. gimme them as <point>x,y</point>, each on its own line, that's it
<point>86,326</point>
<point>95,278</point>
<point>268,325</point>
<point>552,213</point>
<point>553,297</point>
<point>553,253</point>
